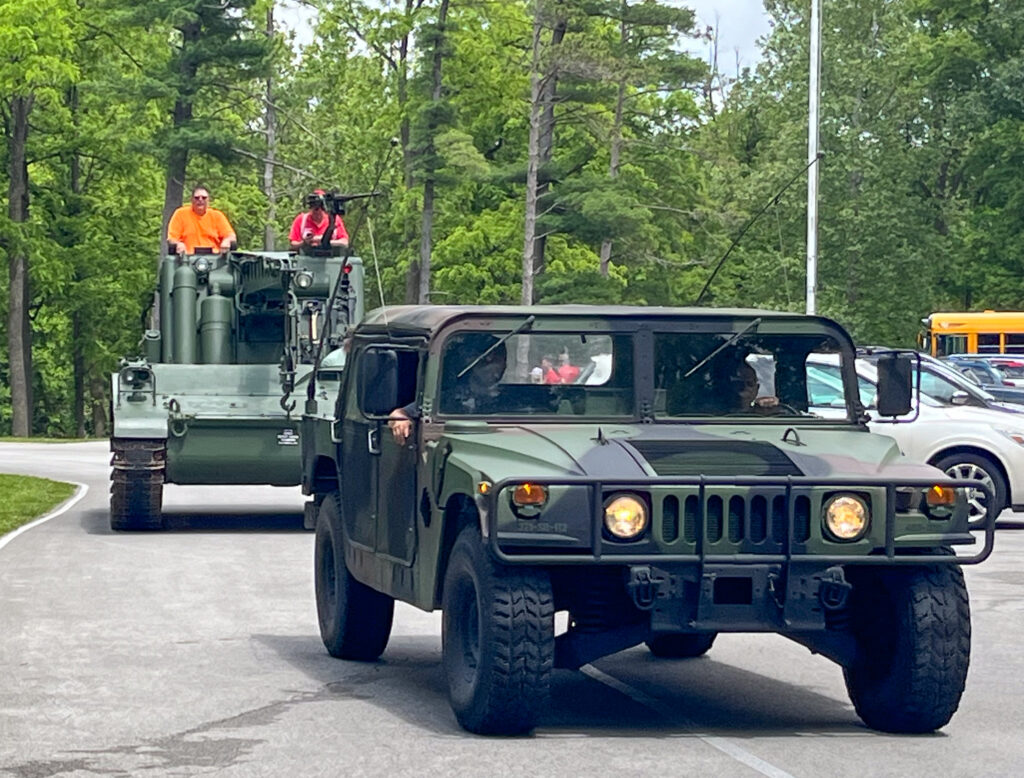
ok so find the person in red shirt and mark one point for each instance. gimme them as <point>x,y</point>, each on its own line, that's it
<point>567,372</point>
<point>308,228</point>
<point>200,226</point>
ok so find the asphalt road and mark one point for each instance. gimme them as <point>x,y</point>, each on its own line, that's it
<point>196,652</point>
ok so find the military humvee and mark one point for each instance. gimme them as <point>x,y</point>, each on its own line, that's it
<point>665,483</point>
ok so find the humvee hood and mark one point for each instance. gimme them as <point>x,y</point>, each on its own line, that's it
<point>625,451</point>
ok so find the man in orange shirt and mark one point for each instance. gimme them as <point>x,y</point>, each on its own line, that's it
<point>200,226</point>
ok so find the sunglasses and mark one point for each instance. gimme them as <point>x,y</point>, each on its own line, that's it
<point>200,197</point>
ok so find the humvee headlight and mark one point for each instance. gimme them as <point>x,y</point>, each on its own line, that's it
<point>202,265</point>
<point>846,517</point>
<point>303,279</point>
<point>939,502</point>
<point>529,496</point>
<point>625,516</point>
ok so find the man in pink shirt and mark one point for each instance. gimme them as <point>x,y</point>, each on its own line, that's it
<point>308,228</point>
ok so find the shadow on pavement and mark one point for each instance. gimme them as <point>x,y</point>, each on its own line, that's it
<point>1010,524</point>
<point>97,522</point>
<point>693,697</point>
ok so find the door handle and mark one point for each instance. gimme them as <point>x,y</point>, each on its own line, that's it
<point>373,440</point>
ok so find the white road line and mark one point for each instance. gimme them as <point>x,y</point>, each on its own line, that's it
<point>78,495</point>
<point>725,746</point>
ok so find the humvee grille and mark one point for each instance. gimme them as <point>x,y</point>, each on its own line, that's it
<point>737,518</point>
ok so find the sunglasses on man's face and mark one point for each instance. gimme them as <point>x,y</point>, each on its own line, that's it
<point>200,197</point>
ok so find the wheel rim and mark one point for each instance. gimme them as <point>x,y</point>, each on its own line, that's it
<point>977,500</point>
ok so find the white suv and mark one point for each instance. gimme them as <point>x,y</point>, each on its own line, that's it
<point>962,440</point>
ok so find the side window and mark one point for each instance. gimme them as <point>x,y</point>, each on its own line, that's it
<point>936,386</point>
<point>385,378</point>
<point>988,342</point>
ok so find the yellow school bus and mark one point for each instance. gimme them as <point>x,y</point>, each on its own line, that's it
<point>987,332</point>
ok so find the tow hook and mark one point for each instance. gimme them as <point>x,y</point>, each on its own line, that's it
<point>643,587</point>
<point>834,589</point>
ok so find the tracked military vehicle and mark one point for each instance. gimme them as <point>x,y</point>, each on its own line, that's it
<point>675,482</point>
<point>212,398</point>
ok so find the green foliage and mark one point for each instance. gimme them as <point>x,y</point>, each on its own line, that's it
<point>922,126</point>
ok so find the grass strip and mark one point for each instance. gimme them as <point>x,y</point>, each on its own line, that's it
<point>24,498</point>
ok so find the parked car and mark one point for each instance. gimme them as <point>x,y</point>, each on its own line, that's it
<point>964,441</point>
<point>986,375</point>
<point>1010,366</point>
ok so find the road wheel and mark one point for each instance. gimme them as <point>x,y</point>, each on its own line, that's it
<point>136,495</point>
<point>498,638</point>
<point>683,645</point>
<point>913,631</point>
<point>977,468</point>
<point>355,620</point>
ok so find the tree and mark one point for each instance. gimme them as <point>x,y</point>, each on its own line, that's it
<point>36,38</point>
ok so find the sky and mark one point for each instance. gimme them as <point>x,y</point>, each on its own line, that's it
<point>740,23</point>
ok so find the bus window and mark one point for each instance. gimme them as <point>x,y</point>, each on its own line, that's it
<point>1014,343</point>
<point>988,342</point>
<point>950,344</point>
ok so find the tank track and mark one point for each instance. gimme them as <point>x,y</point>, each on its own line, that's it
<point>137,484</point>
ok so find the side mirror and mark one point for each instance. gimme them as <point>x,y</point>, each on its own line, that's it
<point>895,384</point>
<point>378,382</point>
<point>959,397</point>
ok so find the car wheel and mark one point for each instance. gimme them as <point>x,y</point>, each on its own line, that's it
<point>913,632</point>
<point>498,640</point>
<point>683,645</point>
<point>977,468</point>
<point>355,620</point>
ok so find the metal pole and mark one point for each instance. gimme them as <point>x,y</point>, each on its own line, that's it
<point>812,156</point>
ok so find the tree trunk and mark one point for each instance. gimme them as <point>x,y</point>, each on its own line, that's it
<point>547,137</point>
<point>19,328</point>
<point>427,224</point>
<point>412,279</point>
<point>77,338</point>
<point>532,163</point>
<point>177,159</point>
<point>615,159</point>
<point>269,238</point>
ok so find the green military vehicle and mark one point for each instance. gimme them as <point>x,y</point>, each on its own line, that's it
<point>212,399</point>
<point>667,482</point>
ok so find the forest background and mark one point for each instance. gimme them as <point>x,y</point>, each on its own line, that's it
<point>542,151</point>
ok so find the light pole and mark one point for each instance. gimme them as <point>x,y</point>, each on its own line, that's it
<point>812,158</point>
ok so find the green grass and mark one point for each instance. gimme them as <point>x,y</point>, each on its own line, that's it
<point>23,498</point>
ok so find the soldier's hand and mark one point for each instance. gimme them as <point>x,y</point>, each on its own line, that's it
<point>400,425</point>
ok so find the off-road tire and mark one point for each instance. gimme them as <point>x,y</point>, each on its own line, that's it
<point>355,620</point>
<point>498,640</point>
<point>971,466</point>
<point>913,630</point>
<point>136,496</point>
<point>682,645</point>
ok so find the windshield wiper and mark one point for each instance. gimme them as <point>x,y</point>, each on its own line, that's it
<point>527,324</point>
<point>724,346</point>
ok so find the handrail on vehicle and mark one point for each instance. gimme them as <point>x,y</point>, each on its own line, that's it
<point>597,486</point>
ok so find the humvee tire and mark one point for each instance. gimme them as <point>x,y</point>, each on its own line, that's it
<point>498,640</point>
<point>683,645</point>
<point>913,629</point>
<point>136,496</point>
<point>355,620</point>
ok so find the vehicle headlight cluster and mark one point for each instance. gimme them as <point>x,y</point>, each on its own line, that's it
<point>304,279</point>
<point>625,516</point>
<point>847,517</point>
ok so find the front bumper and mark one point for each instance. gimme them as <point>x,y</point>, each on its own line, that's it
<point>725,520</point>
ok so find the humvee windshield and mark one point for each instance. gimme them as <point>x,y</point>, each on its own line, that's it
<point>588,375</point>
<point>703,373</point>
<point>719,375</point>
